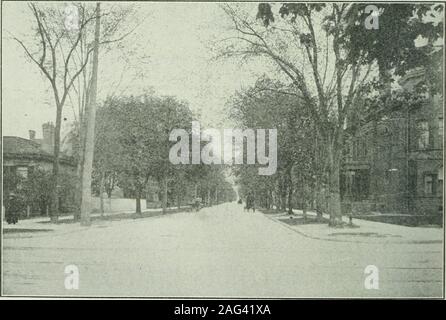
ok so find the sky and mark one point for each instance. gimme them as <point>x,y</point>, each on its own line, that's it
<point>172,52</point>
<point>174,38</point>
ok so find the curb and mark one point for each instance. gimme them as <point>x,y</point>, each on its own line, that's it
<point>283,224</point>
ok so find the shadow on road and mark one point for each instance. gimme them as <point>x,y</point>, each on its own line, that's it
<point>23,230</point>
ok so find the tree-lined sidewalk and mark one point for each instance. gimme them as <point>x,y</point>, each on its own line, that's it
<point>326,63</point>
<point>362,231</point>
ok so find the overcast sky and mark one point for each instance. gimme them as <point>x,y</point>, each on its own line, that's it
<point>174,36</point>
<point>174,39</point>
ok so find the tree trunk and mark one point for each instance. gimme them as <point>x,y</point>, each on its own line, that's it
<point>54,212</point>
<point>90,116</point>
<point>290,199</point>
<point>334,204</point>
<point>164,194</point>
<point>290,190</point>
<point>272,200</point>
<point>101,192</point>
<point>282,199</point>
<point>318,177</point>
<point>138,202</point>
<point>319,198</point>
<point>78,189</point>
<point>276,201</point>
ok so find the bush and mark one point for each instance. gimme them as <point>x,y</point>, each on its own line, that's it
<point>35,190</point>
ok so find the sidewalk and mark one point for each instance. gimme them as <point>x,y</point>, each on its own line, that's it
<point>66,224</point>
<point>363,231</point>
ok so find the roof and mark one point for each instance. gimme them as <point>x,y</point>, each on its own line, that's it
<point>16,147</point>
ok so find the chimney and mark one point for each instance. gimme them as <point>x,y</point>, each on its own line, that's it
<point>32,135</point>
<point>48,137</point>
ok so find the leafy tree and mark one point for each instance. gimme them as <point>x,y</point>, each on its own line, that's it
<point>60,46</point>
<point>55,58</point>
<point>132,141</point>
<point>329,60</point>
<point>132,146</point>
<point>34,190</point>
<point>38,189</point>
<point>271,104</point>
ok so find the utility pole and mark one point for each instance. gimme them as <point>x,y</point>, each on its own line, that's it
<point>90,114</point>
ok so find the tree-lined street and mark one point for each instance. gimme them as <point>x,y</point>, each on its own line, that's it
<point>218,251</point>
<point>223,149</point>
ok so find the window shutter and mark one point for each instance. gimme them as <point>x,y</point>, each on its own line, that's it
<point>434,184</point>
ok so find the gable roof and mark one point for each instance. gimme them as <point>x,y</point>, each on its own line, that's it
<point>17,147</point>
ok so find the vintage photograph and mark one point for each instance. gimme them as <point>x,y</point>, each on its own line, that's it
<point>222,150</point>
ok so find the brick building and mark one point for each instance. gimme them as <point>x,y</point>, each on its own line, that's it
<point>393,162</point>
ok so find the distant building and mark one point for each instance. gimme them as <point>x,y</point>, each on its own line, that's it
<point>393,162</point>
<point>22,155</point>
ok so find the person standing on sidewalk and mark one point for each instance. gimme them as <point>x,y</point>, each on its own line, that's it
<point>12,209</point>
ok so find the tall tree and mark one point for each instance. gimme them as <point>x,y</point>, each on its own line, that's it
<point>57,43</point>
<point>252,108</point>
<point>313,46</point>
<point>134,135</point>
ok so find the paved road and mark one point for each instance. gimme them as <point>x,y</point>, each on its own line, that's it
<point>217,252</point>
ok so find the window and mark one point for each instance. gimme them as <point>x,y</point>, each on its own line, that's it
<point>364,149</point>
<point>423,134</point>
<point>348,151</point>
<point>355,150</point>
<point>360,184</point>
<point>412,177</point>
<point>359,152</point>
<point>440,182</point>
<point>429,184</point>
<point>440,132</point>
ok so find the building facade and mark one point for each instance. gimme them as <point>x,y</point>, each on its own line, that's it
<point>393,162</point>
